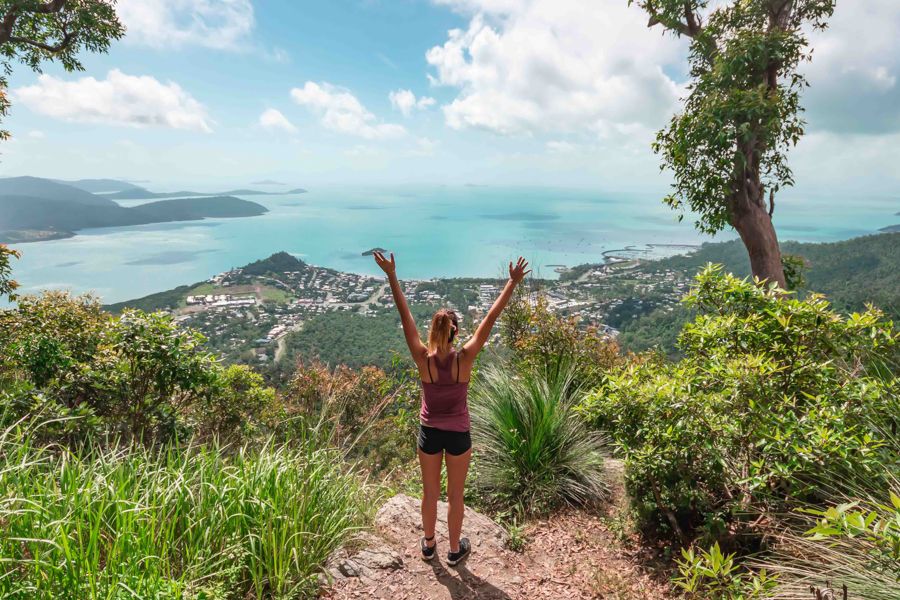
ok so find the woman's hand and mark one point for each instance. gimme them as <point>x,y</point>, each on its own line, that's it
<point>517,273</point>
<point>388,266</point>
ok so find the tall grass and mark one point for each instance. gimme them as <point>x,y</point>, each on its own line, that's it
<point>176,523</point>
<point>533,451</point>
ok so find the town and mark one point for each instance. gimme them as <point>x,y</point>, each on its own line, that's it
<point>247,313</point>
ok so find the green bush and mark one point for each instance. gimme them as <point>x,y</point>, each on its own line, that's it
<point>772,395</point>
<point>191,522</point>
<point>137,376</point>
<point>712,575</point>
<point>544,341</point>
<point>534,452</point>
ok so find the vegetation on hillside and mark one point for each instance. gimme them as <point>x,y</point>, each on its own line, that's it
<point>851,274</point>
<point>780,417</point>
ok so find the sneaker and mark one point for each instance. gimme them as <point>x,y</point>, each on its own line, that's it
<point>427,551</point>
<point>454,558</point>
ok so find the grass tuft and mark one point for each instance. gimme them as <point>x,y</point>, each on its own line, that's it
<point>197,522</point>
<point>534,452</point>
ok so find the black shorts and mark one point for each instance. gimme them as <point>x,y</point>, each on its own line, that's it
<point>434,441</point>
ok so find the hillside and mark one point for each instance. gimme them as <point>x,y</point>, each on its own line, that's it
<point>35,209</point>
<point>850,273</point>
<point>99,186</point>
<point>47,189</point>
<point>139,193</point>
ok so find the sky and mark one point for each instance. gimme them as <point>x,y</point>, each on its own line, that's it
<point>568,93</point>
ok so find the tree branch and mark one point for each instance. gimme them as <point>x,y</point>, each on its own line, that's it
<point>51,6</point>
<point>676,26</point>
<point>68,38</point>
<point>690,27</point>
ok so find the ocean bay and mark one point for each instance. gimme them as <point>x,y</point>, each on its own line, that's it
<point>435,231</point>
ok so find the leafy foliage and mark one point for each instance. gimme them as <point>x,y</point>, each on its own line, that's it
<point>543,341</point>
<point>713,575</point>
<point>8,285</point>
<point>136,376</point>
<point>772,393</point>
<point>534,451</point>
<point>743,110</point>
<point>35,31</point>
<point>371,414</point>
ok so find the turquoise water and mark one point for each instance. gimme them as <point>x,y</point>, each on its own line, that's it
<point>434,231</point>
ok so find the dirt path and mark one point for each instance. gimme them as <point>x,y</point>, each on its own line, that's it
<point>572,555</point>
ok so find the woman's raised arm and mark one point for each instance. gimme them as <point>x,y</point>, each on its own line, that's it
<point>416,347</point>
<point>516,274</point>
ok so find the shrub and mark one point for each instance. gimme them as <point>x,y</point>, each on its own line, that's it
<point>773,394</point>
<point>534,452</point>
<point>710,574</point>
<point>544,341</point>
<point>138,376</point>
<point>178,523</point>
<point>372,414</point>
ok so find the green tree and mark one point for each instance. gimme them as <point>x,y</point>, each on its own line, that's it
<point>34,31</point>
<point>728,148</point>
<point>8,285</point>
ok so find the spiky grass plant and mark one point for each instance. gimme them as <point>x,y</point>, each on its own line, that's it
<point>855,541</point>
<point>854,544</point>
<point>177,523</point>
<point>533,452</point>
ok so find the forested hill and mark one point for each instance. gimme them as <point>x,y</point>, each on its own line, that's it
<point>851,274</point>
<point>33,209</point>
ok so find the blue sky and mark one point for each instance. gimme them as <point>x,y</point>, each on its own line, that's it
<point>219,93</point>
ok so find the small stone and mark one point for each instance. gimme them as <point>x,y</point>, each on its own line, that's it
<point>379,559</point>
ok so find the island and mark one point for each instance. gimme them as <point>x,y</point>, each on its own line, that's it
<point>373,251</point>
<point>33,209</point>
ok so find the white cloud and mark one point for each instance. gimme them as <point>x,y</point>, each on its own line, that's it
<point>341,111</point>
<point>425,146</point>
<point>525,66</point>
<point>36,134</point>
<point>120,99</point>
<point>220,24</point>
<point>406,102</point>
<point>854,70</point>
<point>560,147</point>
<point>273,120</point>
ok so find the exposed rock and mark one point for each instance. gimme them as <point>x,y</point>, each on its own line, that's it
<point>400,519</point>
<point>374,556</point>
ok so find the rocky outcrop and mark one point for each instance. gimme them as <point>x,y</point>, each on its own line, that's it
<point>399,519</point>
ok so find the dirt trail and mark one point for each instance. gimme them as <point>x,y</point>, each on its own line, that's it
<point>572,555</point>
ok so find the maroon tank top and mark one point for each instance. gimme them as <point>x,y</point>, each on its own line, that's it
<point>445,401</point>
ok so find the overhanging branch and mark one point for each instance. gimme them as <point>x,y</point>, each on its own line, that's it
<point>62,45</point>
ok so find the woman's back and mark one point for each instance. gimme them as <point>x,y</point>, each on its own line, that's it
<point>445,398</point>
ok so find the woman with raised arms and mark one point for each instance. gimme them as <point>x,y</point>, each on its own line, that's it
<point>444,418</point>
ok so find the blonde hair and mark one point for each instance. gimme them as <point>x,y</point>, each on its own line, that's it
<point>444,325</point>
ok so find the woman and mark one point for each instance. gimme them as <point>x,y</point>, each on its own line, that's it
<point>444,418</point>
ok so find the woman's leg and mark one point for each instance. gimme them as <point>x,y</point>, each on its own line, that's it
<point>431,491</point>
<point>457,468</point>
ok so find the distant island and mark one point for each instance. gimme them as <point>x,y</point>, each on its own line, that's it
<point>373,251</point>
<point>33,209</point>
<point>890,228</point>
<point>115,189</point>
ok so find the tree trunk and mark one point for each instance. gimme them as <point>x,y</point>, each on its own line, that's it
<point>752,222</point>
